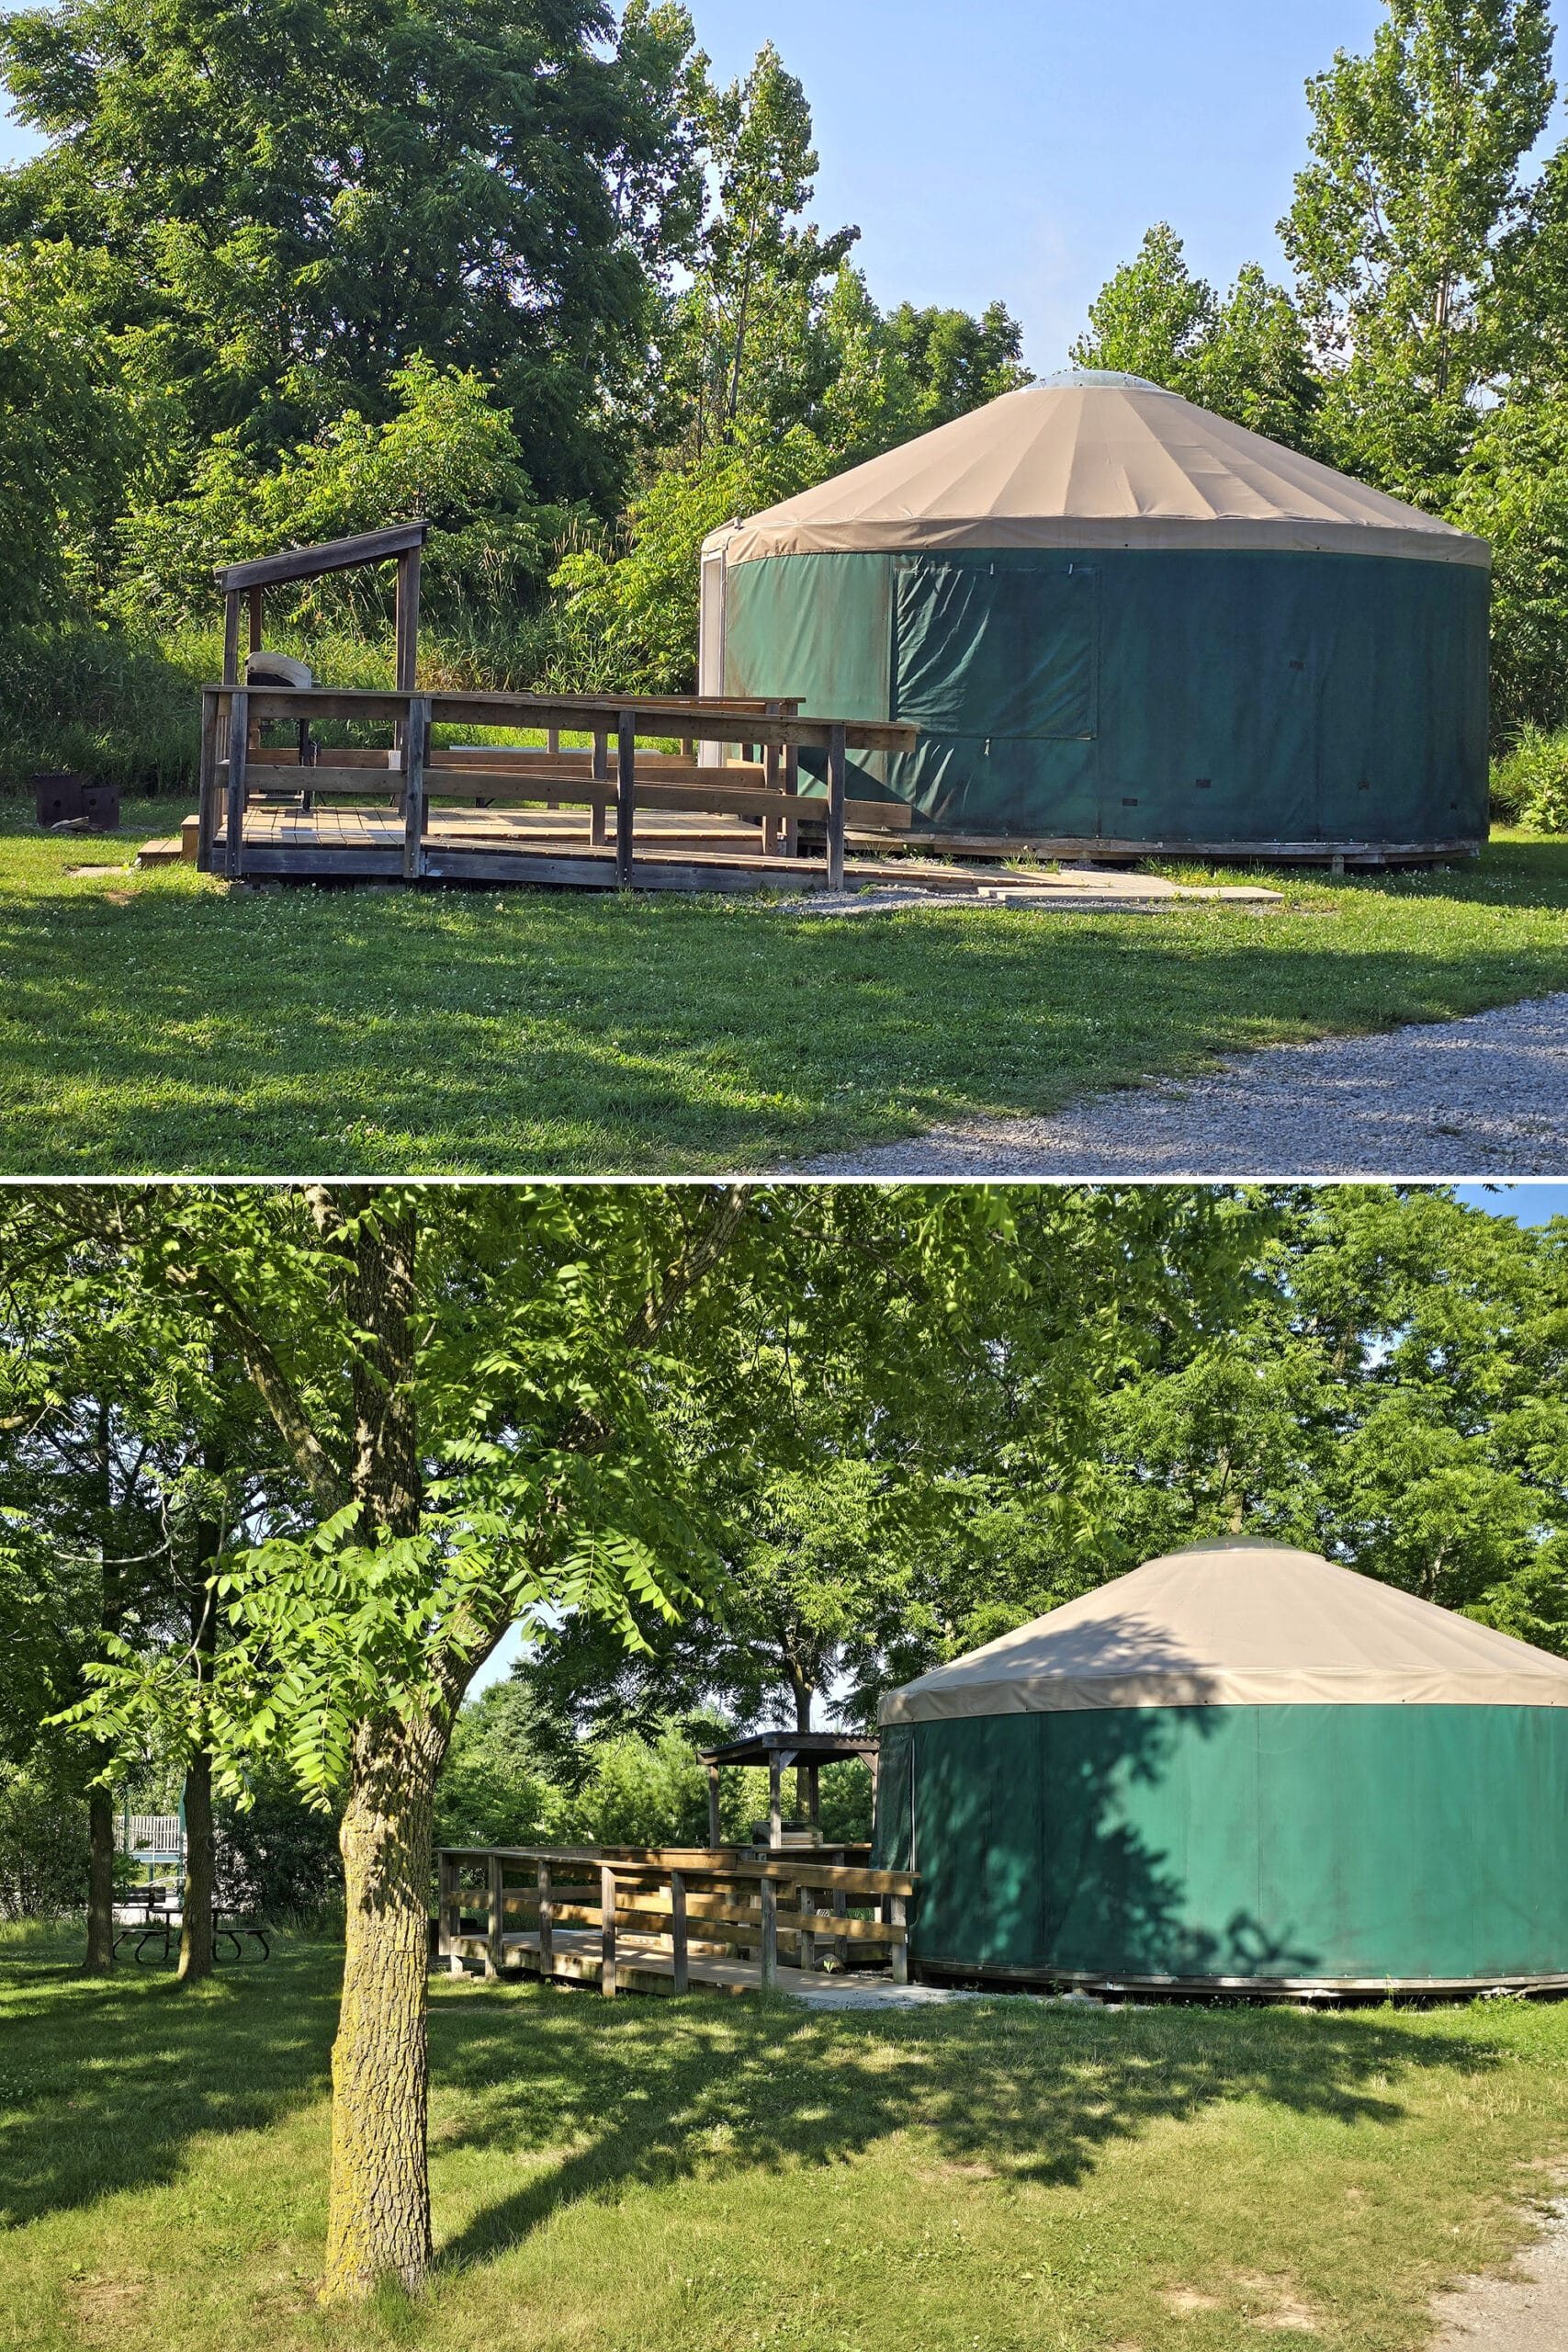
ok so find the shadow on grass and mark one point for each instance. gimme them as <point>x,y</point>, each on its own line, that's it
<point>661,2091</point>
<point>104,2080</point>
<point>184,1030</point>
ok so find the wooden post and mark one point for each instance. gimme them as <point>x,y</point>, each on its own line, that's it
<point>775,1808</point>
<point>445,1874</point>
<point>770,1932</point>
<point>601,776</point>
<point>547,1924</point>
<point>495,1949</point>
<point>232,637</point>
<point>679,1958</point>
<point>899,1955</point>
<point>207,791</point>
<point>837,780</point>
<point>416,742</point>
<point>255,600</point>
<point>813,1794</point>
<point>234,819</point>
<point>406,627</point>
<point>607,1931</point>
<point>806,1900</point>
<point>772,827</point>
<point>625,789</point>
<point>840,1911</point>
<point>792,792</point>
<point>713,1806</point>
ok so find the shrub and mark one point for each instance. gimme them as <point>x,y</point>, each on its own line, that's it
<point>43,1845</point>
<point>1529,782</point>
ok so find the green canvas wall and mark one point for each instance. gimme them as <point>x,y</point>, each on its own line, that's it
<point>1399,1841</point>
<point>1142,695</point>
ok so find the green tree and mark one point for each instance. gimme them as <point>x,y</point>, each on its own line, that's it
<point>295,202</point>
<point>1244,357</point>
<point>1398,222</point>
<point>476,1390</point>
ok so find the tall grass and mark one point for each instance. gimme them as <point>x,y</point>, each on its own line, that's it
<point>1530,781</point>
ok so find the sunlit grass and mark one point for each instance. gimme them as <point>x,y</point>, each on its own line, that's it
<point>155,1021</point>
<point>718,2175</point>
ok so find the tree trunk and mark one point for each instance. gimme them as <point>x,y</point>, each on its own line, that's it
<point>100,1883</point>
<point>197,1898</point>
<point>100,1801</point>
<point>378,2215</point>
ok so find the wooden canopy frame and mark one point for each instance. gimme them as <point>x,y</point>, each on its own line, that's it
<point>806,1750</point>
<point>401,541</point>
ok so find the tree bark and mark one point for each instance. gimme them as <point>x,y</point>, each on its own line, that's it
<point>197,1894</point>
<point>100,1801</point>
<point>100,1883</point>
<point>379,2213</point>
<point>378,2210</point>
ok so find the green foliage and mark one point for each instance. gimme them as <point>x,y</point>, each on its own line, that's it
<point>1396,224</point>
<point>495,1787</point>
<point>43,1841</point>
<point>1244,357</point>
<point>1529,782</point>
<point>1514,491</point>
<point>276,1856</point>
<point>297,203</point>
<point>444,454</point>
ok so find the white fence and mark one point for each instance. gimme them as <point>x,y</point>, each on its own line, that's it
<point>150,1836</point>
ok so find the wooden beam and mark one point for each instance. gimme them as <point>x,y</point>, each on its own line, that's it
<point>775,1823</point>
<point>578,712</point>
<point>207,784</point>
<point>601,775</point>
<point>495,1888</point>
<point>770,1933</point>
<point>712,1805</point>
<point>254,599</point>
<point>608,1930</point>
<point>415,742</point>
<point>547,1921</point>
<point>333,555</point>
<point>231,638</point>
<point>625,797</point>
<point>679,1950</point>
<point>838,785</point>
<point>235,820</point>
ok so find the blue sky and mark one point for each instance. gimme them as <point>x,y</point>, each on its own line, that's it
<point>1019,148</point>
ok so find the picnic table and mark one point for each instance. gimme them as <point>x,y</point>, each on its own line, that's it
<point>158,1919</point>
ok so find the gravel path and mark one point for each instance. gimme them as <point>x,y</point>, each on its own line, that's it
<point>1486,1096</point>
<point>1525,2312</point>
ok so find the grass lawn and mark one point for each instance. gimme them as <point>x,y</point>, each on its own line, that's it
<point>155,1023</point>
<point>718,2175</point>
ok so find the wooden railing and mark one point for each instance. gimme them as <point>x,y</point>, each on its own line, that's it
<point>610,773</point>
<point>672,1899</point>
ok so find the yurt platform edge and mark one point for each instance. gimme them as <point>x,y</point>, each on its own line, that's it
<point>1300,1991</point>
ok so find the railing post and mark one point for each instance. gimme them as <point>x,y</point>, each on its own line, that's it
<point>806,1900</point>
<point>772,827</point>
<point>234,819</point>
<point>770,1932</point>
<point>626,791</point>
<point>232,637</point>
<point>713,1808</point>
<point>416,741</point>
<point>495,1950</point>
<point>601,776</point>
<point>547,1924</point>
<point>679,1958</point>
<point>840,1911</point>
<point>606,1930</point>
<point>443,1883</point>
<point>206,796</point>
<point>898,1953</point>
<point>837,778</point>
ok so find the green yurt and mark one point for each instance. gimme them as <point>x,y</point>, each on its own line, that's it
<point>1121,622</point>
<point>1238,1767</point>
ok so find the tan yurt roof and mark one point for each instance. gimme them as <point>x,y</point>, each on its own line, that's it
<point>1239,1623</point>
<point>1095,462</point>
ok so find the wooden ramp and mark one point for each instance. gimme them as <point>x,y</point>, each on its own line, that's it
<point>577,1959</point>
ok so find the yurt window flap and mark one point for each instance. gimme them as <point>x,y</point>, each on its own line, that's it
<point>983,648</point>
